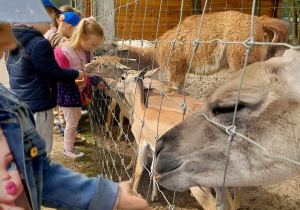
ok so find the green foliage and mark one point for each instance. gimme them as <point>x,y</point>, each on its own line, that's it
<point>286,7</point>
<point>59,3</point>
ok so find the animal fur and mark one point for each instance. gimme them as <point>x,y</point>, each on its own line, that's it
<point>230,26</point>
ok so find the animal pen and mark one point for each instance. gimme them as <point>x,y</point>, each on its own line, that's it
<point>141,23</point>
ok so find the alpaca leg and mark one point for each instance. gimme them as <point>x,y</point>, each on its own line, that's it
<point>237,197</point>
<point>227,199</point>
<point>206,202</point>
<point>139,167</point>
<point>172,84</point>
<point>132,156</point>
<point>112,107</point>
<point>154,196</point>
<point>121,119</point>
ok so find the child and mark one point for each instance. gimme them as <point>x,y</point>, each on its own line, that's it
<point>67,21</point>
<point>65,29</point>
<point>51,185</point>
<point>56,22</point>
<point>73,54</point>
<point>34,73</point>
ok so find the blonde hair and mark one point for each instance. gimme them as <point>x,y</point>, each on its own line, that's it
<point>84,27</point>
<point>66,8</point>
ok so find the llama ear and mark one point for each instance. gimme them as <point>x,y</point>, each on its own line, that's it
<point>127,59</point>
<point>151,72</point>
<point>143,72</point>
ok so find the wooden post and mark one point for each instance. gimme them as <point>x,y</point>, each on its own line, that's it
<point>294,23</point>
<point>257,8</point>
<point>196,7</point>
<point>276,3</point>
<point>104,12</point>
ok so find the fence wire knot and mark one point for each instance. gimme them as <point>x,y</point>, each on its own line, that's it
<point>183,107</point>
<point>196,42</point>
<point>231,130</point>
<point>156,139</point>
<point>171,207</point>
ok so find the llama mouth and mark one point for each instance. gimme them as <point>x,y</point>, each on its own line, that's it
<point>164,171</point>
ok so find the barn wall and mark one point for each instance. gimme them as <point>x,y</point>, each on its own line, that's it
<point>245,6</point>
<point>170,14</point>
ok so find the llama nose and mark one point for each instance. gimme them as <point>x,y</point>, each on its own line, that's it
<point>159,147</point>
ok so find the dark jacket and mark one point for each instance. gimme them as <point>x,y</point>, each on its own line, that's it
<point>48,184</point>
<point>34,72</point>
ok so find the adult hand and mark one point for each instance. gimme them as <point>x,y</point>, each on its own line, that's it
<point>81,75</point>
<point>128,199</point>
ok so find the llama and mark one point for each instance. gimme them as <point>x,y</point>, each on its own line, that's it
<point>193,153</point>
<point>230,26</point>
<point>157,121</point>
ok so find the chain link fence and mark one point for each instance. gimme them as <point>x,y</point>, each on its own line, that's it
<point>141,23</point>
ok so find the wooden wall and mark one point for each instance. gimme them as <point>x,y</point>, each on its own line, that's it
<point>134,27</point>
<point>245,6</point>
<point>170,15</point>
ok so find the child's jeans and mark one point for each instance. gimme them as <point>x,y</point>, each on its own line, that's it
<point>44,125</point>
<point>72,116</point>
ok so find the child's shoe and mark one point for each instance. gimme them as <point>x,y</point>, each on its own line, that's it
<point>79,140</point>
<point>84,112</point>
<point>73,154</point>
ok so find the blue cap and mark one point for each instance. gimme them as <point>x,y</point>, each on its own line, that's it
<point>71,18</point>
<point>25,11</point>
<point>48,3</point>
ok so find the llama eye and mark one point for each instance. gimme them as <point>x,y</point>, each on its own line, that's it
<point>122,78</point>
<point>104,65</point>
<point>226,110</point>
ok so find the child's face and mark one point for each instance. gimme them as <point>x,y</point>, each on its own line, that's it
<point>90,42</point>
<point>7,41</point>
<point>66,29</point>
<point>10,182</point>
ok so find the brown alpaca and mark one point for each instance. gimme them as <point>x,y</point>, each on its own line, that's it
<point>230,26</point>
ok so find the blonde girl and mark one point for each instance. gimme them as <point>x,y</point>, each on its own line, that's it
<point>73,54</point>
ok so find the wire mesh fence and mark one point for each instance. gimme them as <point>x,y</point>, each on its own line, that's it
<point>126,146</point>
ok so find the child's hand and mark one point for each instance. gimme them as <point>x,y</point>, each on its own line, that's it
<point>79,82</point>
<point>128,199</point>
<point>81,75</point>
<point>101,85</point>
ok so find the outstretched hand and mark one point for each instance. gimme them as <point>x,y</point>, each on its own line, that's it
<point>79,82</point>
<point>81,75</point>
<point>128,199</point>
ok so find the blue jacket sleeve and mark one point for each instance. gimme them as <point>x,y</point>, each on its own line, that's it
<point>65,189</point>
<point>44,61</point>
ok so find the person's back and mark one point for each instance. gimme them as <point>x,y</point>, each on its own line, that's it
<point>34,73</point>
<point>28,82</point>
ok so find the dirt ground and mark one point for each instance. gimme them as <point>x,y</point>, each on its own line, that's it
<point>101,154</point>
